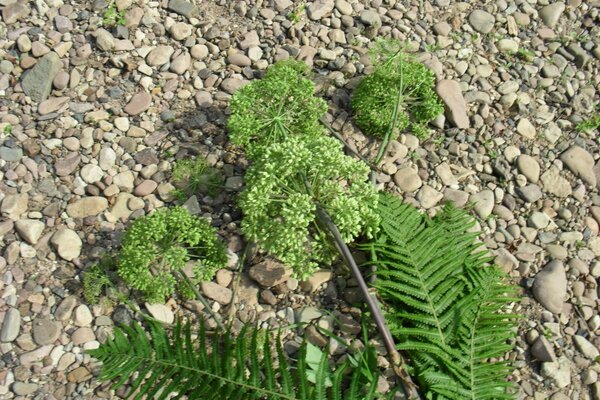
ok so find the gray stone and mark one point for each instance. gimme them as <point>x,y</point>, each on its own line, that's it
<point>65,308</point>
<point>407,179</point>
<point>239,59</point>
<point>542,350</point>
<point>526,129</point>
<point>554,183</point>
<point>483,203</point>
<point>82,336</point>
<point>14,205</point>
<point>456,106</point>
<point>10,154</point>
<point>307,314</point>
<point>87,206</point>
<point>230,85</point>
<point>15,11</point>
<point>24,388</point>
<point>63,24</point>
<point>83,316</point>
<point>538,220</point>
<point>181,30</point>
<point>37,82</point>
<point>559,372</point>
<point>550,286</point>
<point>585,347</point>
<point>30,229</point>
<point>269,273</point>
<point>159,55</point>
<point>319,9</point>
<point>104,40</point>
<point>181,63</point>
<point>67,243</point>
<point>54,103</point>
<point>529,167</point>
<point>581,163</point>
<point>139,103</point>
<point>551,13</point>
<point>216,292</point>
<point>370,18</point>
<point>505,260</point>
<point>66,166</point>
<point>428,197</point>
<point>530,193</point>
<point>316,280</point>
<point>11,325</point>
<point>107,158</point>
<point>45,331</point>
<point>481,21</point>
<point>161,312</point>
<point>184,8</point>
<point>91,173</point>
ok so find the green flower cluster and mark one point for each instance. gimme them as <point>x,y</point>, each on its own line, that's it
<point>397,95</point>
<point>284,187</point>
<point>156,246</point>
<point>281,104</point>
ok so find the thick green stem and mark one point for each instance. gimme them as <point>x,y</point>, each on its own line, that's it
<point>183,277</point>
<point>410,389</point>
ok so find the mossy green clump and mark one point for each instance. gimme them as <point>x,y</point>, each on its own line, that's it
<point>157,246</point>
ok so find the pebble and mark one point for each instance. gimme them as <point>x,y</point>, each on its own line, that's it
<point>11,325</point>
<point>456,106</point>
<point>269,273</point>
<point>526,129</point>
<point>159,55</point>
<point>407,179</point>
<point>581,163</point>
<point>551,13</point>
<point>67,243</point>
<point>65,308</point>
<point>183,7</point>
<point>139,103</point>
<point>550,286</point>
<point>30,229</point>
<point>181,31</point>
<point>83,316</point>
<point>37,83</point>
<point>542,350</point>
<point>319,9</point>
<point>529,167</point>
<point>483,203</point>
<point>87,206</point>
<point>585,347</point>
<point>220,294</point>
<point>45,331</point>
<point>91,173</point>
<point>161,312</point>
<point>482,21</point>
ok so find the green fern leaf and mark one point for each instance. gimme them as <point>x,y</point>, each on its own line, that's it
<point>447,306</point>
<point>160,365</point>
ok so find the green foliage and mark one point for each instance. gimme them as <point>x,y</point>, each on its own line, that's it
<point>283,188</point>
<point>112,16</point>
<point>96,279</point>
<point>158,245</point>
<point>281,104</point>
<point>447,307</point>
<point>245,367</point>
<point>397,95</point>
<point>589,124</point>
<point>8,128</point>
<point>192,176</point>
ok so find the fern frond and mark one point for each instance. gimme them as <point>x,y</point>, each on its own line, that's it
<point>160,365</point>
<point>446,304</point>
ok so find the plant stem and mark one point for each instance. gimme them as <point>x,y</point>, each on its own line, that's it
<point>409,387</point>
<point>201,298</point>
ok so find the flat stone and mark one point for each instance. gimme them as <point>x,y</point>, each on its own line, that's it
<point>52,104</point>
<point>538,220</point>
<point>239,59</point>
<point>145,188</point>
<point>428,197</point>
<point>530,193</point>
<point>67,243</point>
<point>319,9</point>
<point>83,316</point>
<point>216,292</point>
<point>184,8</point>
<point>551,13</point>
<point>24,388</point>
<point>181,30</point>
<point>37,82</point>
<point>139,103</point>
<point>550,286</point>
<point>482,21</point>
<point>181,63</point>
<point>250,40</point>
<point>370,18</point>
<point>10,154</point>
<point>231,85</point>
<point>120,209</point>
<point>484,203</point>
<point>14,205</point>
<point>87,206</point>
<point>542,350</point>
<point>558,372</point>
<point>505,260</point>
<point>65,308</point>
<point>526,129</point>
<point>307,314</point>
<point>316,280</point>
<point>585,347</point>
<point>91,173</point>
<point>407,179</point>
<point>107,158</point>
<point>15,11</point>
<point>66,166</point>
<point>45,331</point>
<point>581,163</point>
<point>554,183</point>
<point>161,312</point>
<point>11,325</point>
<point>79,374</point>
<point>269,273</point>
<point>30,229</point>
<point>159,55</point>
<point>82,335</point>
<point>456,106</point>
<point>529,167</point>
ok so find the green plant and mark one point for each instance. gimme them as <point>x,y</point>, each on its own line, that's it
<point>96,279</point>
<point>447,306</point>
<point>525,54</point>
<point>112,16</point>
<point>8,129</point>
<point>296,15</point>
<point>157,247</point>
<point>281,104</point>
<point>397,95</point>
<point>589,124</point>
<point>191,176</point>
<point>224,367</point>
<point>284,188</point>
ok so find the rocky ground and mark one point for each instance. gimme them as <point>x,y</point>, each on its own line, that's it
<point>98,99</point>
